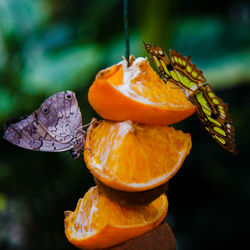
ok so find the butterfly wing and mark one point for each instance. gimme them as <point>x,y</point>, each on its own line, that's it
<point>214,115</point>
<point>52,128</point>
<point>184,65</point>
<point>211,110</point>
<point>63,116</point>
<point>160,59</point>
<point>175,72</point>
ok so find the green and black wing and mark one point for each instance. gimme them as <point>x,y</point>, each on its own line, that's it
<point>160,59</point>
<point>181,71</point>
<point>214,115</point>
<point>184,65</point>
<point>211,110</point>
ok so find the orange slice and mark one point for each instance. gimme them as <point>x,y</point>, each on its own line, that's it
<point>137,93</point>
<point>98,222</point>
<point>132,157</point>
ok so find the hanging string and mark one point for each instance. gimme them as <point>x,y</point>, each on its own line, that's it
<point>126,31</point>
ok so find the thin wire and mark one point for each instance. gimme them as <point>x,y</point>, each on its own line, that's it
<point>125,14</point>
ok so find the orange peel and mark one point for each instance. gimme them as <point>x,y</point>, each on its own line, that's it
<point>137,93</point>
<point>98,222</point>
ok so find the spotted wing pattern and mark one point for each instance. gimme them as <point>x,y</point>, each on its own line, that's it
<point>181,71</point>
<point>211,110</point>
<point>160,59</point>
<point>214,115</point>
<point>56,126</point>
<point>184,65</point>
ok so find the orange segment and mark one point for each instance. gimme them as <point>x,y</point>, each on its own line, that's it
<point>132,157</point>
<point>97,222</point>
<point>137,93</point>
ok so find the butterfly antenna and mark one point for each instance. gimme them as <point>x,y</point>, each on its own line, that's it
<point>126,31</point>
<point>84,126</point>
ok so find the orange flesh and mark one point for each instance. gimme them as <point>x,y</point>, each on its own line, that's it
<point>138,94</point>
<point>98,222</point>
<point>132,157</point>
<point>129,156</point>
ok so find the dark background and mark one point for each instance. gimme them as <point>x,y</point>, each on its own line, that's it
<point>48,46</point>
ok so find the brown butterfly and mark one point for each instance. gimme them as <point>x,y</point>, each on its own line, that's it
<point>211,110</point>
<point>55,127</point>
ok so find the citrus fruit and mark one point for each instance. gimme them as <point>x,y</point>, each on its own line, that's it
<point>134,157</point>
<point>98,222</point>
<point>137,93</point>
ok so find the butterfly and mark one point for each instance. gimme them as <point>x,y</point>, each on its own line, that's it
<point>55,127</point>
<point>211,110</point>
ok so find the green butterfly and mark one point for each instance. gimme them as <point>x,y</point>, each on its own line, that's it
<point>211,110</point>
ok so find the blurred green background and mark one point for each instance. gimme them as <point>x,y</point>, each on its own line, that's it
<point>48,46</point>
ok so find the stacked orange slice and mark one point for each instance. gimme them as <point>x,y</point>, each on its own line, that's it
<point>132,155</point>
<point>137,93</point>
<point>98,222</point>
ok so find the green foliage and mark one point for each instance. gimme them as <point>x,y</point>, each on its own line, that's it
<point>19,18</point>
<point>225,63</point>
<point>52,72</point>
